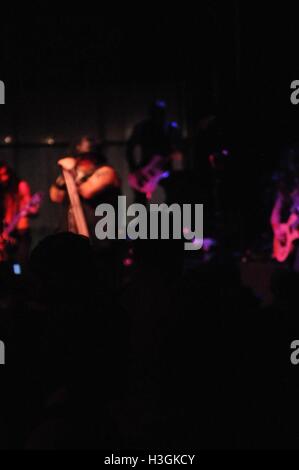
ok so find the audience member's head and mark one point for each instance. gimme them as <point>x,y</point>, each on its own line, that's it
<point>64,265</point>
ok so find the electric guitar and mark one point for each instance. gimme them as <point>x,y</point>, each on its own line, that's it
<point>5,238</point>
<point>284,245</point>
<point>146,179</point>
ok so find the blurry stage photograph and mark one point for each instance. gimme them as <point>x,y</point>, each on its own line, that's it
<point>149,227</point>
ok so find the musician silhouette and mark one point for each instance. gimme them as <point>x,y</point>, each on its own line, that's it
<point>287,203</point>
<point>15,194</point>
<point>97,182</point>
<point>151,137</point>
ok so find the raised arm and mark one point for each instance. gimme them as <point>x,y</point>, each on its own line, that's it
<point>25,196</point>
<point>57,190</point>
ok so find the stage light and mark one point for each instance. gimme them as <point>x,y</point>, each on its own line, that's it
<point>174,125</point>
<point>160,104</point>
<point>127,262</point>
<point>198,242</point>
<point>50,141</point>
<point>8,139</point>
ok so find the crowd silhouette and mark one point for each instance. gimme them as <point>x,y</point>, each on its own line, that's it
<point>166,358</point>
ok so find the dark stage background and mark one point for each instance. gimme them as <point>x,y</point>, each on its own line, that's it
<point>191,349</point>
<point>96,73</point>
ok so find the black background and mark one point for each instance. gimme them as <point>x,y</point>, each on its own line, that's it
<point>235,58</point>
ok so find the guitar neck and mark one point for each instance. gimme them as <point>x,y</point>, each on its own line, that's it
<point>35,199</point>
<point>13,224</point>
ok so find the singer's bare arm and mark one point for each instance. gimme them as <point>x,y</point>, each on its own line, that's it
<point>100,180</point>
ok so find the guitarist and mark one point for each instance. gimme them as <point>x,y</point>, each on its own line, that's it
<point>151,137</point>
<point>15,194</point>
<point>96,183</point>
<point>286,205</point>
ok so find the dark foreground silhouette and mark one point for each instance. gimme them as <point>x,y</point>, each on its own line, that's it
<point>165,359</point>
